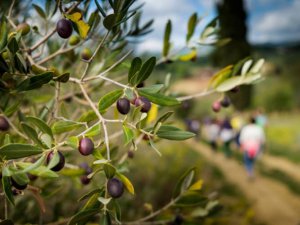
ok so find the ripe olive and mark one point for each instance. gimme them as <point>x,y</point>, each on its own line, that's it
<point>225,102</point>
<point>4,125</point>
<point>64,28</point>
<point>86,146</point>
<point>115,187</point>
<point>84,178</point>
<point>144,102</point>
<point>216,106</point>
<point>61,162</point>
<point>123,105</point>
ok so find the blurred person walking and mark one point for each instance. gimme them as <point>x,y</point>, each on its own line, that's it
<point>226,136</point>
<point>252,138</point>
<point>212,131</point>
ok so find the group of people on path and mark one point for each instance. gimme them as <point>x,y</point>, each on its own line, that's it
<point>230,133</point>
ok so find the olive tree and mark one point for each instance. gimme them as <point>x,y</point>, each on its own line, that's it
<point>70,87</point>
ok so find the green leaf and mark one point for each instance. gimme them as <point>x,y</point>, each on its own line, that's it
<point>134,69</point>
<point>164,117</point>
<point>40,171</point>
<point>33,166</point>
<point>152,89</point>
<point>64,126</point>
<point>35,82</point>
<point>107,100</point>
<point>3,34</point>
<point>7,139</point>
<point>167,44</point>
<point>128,134</point>
<point>15,151</point>
<point>12,109</point>
<point>159,99</point>
<point>43,127</point>
<point>109,170</point>
<point>39,10</point>
<point>106,220</point>
<point>7,189</point>
<point>73,141</point>
<point>191,26</point>
<point>110,21</point>
<point>31,133</point>
<point>21,178</point>
<point>54,160</point>
<point>126,183</point>
<point>89,194</point>
<point>246,67</point>
<point>100,9</point>
<point>191,199</point>
<point>19,58</point>
<point>47,140</point>
<point>64,78</point>
<point>95,130</point>
<point>173,133</point>
<point>145,70</point>
<point>229,84</point>
<point>184,182</point>
<point>83,216</point>
<point>13,46</point>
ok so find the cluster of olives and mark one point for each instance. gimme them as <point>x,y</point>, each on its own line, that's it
<point>123,104</point>
<point>217,105</point>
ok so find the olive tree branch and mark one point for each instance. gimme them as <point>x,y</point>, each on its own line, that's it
<point>101,119</point>
<point>88,62</point>
<point>58,52</point>
<point>101,75</point>
<point>155,213</point>
<point>197,95</point>
<point>11,8</point>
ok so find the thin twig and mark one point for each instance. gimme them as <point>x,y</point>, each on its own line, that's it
<point>109,68</point>
<point>93,56</point>
<point>11,8</point>
<point>197,95</point>
<point>43,40</point>
<point>101,119</point>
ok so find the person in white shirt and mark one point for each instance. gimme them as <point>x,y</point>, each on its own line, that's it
<point>252,138</point>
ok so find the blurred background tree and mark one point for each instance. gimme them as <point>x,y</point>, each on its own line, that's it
<point>232,17</point>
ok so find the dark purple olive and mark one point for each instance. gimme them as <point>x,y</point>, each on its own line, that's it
<point>130,154</point>
<point>140,85</point>
<point>123,105</point>
<point>85,180</point>
<point>17,185</point>
<point>144,102</point>
<point>61,162</point>
<point>86,167</point>
<point>178,220</point>
<point>4,125</point>
<point>235,89</point>
<point>225,102</point>
<point>32,177</point>
<point>86,146</point>
<point>115,187</point>
<point>216,106</point>
<point>15,192</point>
<point>64,28</point>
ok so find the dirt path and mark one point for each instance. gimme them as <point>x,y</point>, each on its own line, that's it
<point>289,168</point>
<point>273,202</point>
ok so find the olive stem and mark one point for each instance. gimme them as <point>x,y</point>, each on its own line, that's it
<point>93,56</point>
<point>11,8</point>
<point>101,75</point>
<point>101,119</point>
<point>197,95</point>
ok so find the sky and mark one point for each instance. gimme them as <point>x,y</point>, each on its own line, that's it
<point>269,21</point>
